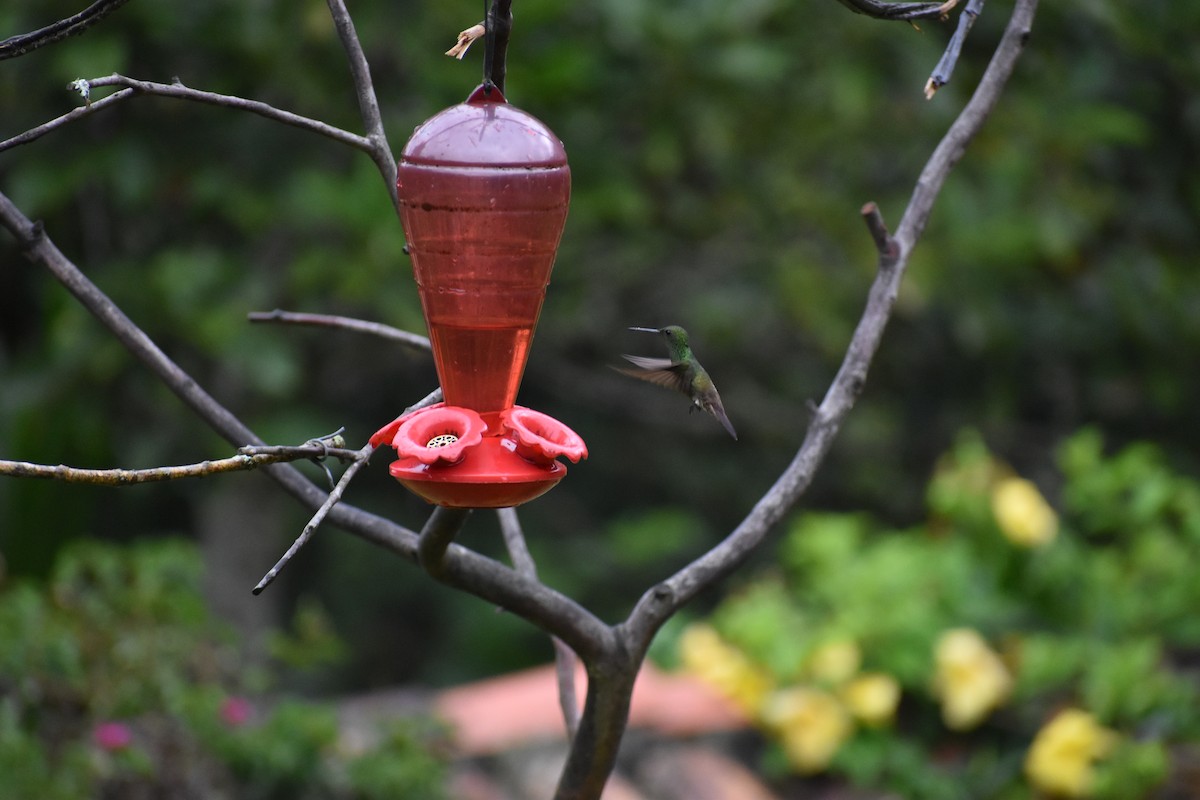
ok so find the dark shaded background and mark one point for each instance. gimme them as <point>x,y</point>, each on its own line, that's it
<point>720,153</point>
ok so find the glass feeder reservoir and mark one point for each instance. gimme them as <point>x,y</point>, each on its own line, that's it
<point>483,189</point>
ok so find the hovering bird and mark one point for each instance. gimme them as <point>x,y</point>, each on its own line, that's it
<point>681,372</point>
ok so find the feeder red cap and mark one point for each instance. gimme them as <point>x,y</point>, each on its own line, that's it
<point>485,131</point>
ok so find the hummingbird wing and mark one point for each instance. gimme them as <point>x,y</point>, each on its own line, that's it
<point>659,371</point>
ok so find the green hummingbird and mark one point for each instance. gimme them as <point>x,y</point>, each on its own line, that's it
<point>681,372</point>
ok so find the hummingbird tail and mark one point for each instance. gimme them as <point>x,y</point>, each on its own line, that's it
<point>719,413</point>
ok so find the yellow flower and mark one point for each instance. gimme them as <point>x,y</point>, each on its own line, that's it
<point>1060,759</point>
<point>811,724</point>
<point>834,662</point>
<point>971,679</point>
<point>707,656</point>
<point>872,698</point>
<point>1024,516</point>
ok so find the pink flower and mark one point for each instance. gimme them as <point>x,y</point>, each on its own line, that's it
<point>236,711</point>
<point>112,736</point>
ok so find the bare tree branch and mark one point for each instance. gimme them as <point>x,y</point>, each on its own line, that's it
<point>945,67</point>
<point>368,103</point>
<point>483,577</point>
<point>610,684</point>
<point>72,115</point>
<point>439,531</point>
<point>247,458</point>
<point>413,340</point>
<point>179,91</point>
<point>900,11</point>
<point>667,597</point>
<point>612,655</point>
<point>564,657</point>
<point>884,243</point>
<point>360,460</point>
<point>969,121</point>
<point>20,45</point>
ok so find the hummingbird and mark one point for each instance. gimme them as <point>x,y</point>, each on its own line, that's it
<point>681,372</point>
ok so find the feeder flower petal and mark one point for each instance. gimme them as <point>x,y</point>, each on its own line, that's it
<point>439,435</point>
<point>1061,756</point>
<point>387,433</point>
<point>971,679</point>
<point>540,437</point>
<point>1024,516</point>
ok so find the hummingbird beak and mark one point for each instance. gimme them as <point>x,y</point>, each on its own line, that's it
<point>646,330</point>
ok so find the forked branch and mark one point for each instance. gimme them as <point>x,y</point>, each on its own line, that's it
<point>612,654</point>
<point>665,599</point>
<point>132,86</point>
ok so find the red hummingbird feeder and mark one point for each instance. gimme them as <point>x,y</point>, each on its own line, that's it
<point>483,189</point>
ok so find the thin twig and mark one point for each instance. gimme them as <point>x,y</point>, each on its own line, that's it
<point>514,542</point>
<point>72,115</point>
<point>345,323</point>
<point>945,66</point>
<point>249,458</point>
<point>368,104</point>
<point>564,657</point>
<point>77,23</point>
<point>178,90</point>
<point>565,662</point>
<point>900,11</point>
<point>884,243</point>
<point>360,460</point>
<point>433,397</point>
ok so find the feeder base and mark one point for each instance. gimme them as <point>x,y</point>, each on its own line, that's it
<point>490,475</point>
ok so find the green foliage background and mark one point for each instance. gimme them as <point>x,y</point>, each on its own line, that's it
<point>121,637</point>
<point>720,153</point>
<point>1101,617</point>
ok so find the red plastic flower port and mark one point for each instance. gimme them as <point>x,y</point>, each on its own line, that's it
<point>541,438</point>
<point>439,434</point>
